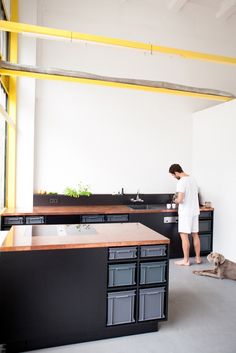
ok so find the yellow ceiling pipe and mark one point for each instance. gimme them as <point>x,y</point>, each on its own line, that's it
<point>16,27</point>
<point>11,72</point>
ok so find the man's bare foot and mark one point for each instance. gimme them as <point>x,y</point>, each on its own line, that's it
<point>198,260</point>
<point>182,263</point>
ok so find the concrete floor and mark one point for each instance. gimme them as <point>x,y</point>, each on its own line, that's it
<point>202,318</point>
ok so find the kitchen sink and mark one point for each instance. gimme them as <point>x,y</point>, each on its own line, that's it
<point>147,206</point>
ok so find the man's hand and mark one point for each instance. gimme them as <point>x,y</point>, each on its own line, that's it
<point>180,198</point>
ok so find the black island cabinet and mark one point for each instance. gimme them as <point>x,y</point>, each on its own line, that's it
<point>63,284</point>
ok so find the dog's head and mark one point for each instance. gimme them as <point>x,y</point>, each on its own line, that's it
<point>218,259</point>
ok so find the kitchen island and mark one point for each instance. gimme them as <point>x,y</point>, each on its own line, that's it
<point>63,284</point>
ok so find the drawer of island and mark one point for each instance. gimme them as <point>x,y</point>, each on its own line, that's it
<point>153,250</point>
<point>121,275</point>
<point>151,303</point>
<point>153,272</point>
<point>120,308</point>
<point>125,252</point>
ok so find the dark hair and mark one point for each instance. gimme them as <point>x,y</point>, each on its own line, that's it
<point>175,168</point>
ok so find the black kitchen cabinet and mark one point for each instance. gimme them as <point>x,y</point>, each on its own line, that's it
<point>163,223</point>
<point>62,219</point>
<point>205,233</point>
<point>57,297</point>
<point>167,224</point>
<point>8,221</point>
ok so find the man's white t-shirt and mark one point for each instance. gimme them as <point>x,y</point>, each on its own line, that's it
<point>190,204</point>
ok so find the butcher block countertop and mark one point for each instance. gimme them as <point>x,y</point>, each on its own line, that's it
<point>70,210</point>
<point>49,237</point>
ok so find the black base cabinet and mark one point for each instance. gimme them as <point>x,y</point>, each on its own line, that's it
<point>57,297</point>
<point>156,221</point>
<point>167,225</point>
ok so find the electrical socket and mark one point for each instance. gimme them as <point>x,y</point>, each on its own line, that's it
<point>53,200</point>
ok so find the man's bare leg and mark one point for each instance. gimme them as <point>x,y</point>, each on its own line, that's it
<point>197,247</point>
<point>185,247</point>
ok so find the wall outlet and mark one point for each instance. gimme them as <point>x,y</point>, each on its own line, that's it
<point>53,200</point>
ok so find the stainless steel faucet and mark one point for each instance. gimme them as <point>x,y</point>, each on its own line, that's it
<point>137,199</point>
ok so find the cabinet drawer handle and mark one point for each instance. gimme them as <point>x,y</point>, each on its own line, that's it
<point>122,296</point>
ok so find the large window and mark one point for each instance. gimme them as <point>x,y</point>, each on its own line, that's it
<point>3,124</point>
<point>3,134</point>
<point>3,36</point>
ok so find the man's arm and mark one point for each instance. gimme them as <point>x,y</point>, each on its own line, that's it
<point>180,198</point>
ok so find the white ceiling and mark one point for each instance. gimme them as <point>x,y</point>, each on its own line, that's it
<point>184,24</point>
<point>221,9</point>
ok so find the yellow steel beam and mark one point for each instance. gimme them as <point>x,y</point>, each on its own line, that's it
<point>16,27</point>
<point>11,136</point>
<point>112,84</point>
<point>5,82</point>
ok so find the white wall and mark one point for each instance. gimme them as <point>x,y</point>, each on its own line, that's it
<point>109,137</point>
<point>214,147</point>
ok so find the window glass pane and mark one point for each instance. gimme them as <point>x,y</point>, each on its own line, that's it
<point>3,36</point>
<point>2,162</point>
<point>3,134</point>
<point>3,125</point>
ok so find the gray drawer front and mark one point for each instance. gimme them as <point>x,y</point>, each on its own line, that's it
<point>205,240</point>
<point>120,307</point>
<point>152,272</point>
<point>151,303</point>
<point>118,218</point>
<point>13,220</point>
<point>205,214</point>
<point>153,250</point>
<point>121,275</point>
<point>93,219</point>
<point>123,253</point>
<point>205,226</point>
<point>34,220</point>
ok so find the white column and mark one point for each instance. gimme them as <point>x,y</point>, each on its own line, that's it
<point>26,111</point>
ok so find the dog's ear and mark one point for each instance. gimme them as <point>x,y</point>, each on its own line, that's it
<point>221,259</point>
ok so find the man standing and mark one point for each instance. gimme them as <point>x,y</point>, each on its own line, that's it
<point>187,199</point>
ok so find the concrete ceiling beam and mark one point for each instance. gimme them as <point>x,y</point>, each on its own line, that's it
<point>177,5</point>
<point>227,9</point>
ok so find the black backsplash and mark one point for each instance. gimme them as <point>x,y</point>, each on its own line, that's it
<point>98,199</point>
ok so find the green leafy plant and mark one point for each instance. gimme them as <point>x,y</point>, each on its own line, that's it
<point>83,190</point>
<point>71,192</point>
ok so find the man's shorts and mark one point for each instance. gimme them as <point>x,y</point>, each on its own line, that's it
<point>188,224</point>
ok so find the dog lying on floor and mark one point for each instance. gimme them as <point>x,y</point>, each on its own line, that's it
<point>223,268</point>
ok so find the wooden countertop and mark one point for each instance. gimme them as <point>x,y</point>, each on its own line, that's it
<point>72,210</point>
<point>49,237</point>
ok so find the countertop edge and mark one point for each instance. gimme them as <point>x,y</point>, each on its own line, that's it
<point>77,210</point>
<point>82,246</point>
